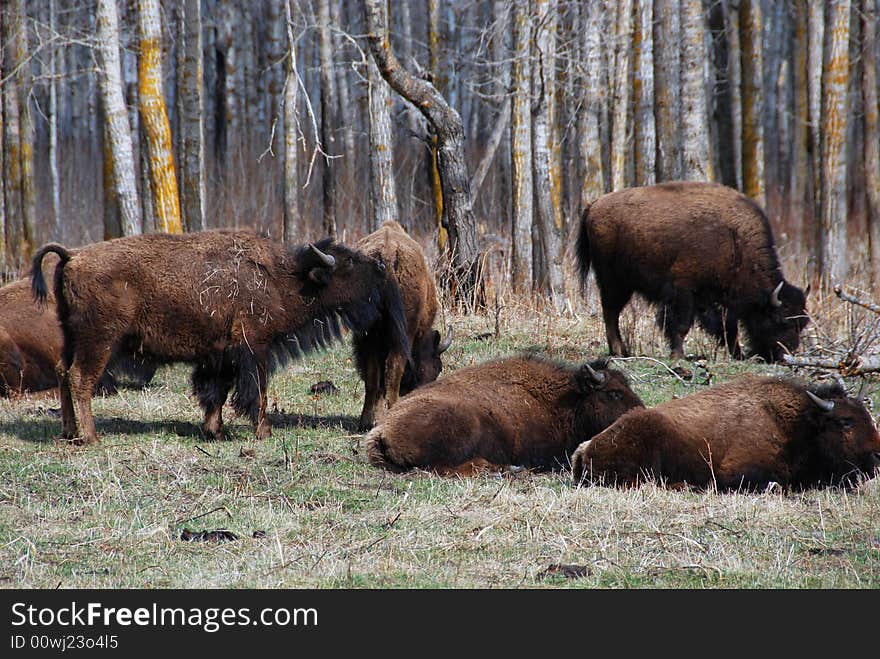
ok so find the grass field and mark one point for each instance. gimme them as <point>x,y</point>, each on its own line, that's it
<point>112,515</point>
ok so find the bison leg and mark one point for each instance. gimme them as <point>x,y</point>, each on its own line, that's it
<point>613,302</point>
<point>262,427</point>
<point>68,418</point>
<point>723,325</point>
<point>394,368</point>
<point>676,318</point>
<point>211,386</point>
<point>373,396</point>
<point>83,376</point>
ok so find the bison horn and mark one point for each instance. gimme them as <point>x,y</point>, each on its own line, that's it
<point>326,259</point>
<point>598,378</point>
<point>774,296</point>
<point>447,341</point>
<point>826,405</point>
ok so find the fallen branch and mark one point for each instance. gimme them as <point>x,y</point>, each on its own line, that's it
<point>847,366</point>
<point>852,299</point>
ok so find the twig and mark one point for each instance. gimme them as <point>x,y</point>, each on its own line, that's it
<point>852,299</point>
<point>656,361</point>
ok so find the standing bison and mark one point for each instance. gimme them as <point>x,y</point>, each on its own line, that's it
<point>744,434</point>
<point>30,344</point>
<point>695,249</point>
<point>517,411</point>
<point>231,303</point>
<point>386,372</point>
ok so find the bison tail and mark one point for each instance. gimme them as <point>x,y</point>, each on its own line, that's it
<point>396,318</point>
<point>583,247</point>
<point>38,282</point>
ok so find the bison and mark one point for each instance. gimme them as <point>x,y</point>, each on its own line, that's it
<point>524,411</point>
<point>386,373</point>
<point>697,250</point>
<point>234,304</point>
<point>30,344</point>
<point>744,434</point>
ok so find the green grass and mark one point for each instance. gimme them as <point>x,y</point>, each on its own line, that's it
<point>111,516</point>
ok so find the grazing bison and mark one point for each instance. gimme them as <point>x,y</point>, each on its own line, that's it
<point>522,411</point>
<point>743,434</point>
<point>387,373</point>
<point>695,249</point>
<point>232,303</point>
<point>30,344</point>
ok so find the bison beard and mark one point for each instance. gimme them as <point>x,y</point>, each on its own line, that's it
<point>522,411</point>
<point>234,304</point>
<point>744,434</point>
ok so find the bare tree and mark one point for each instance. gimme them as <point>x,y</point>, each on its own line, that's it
<point>291,218</point>
<point>3,154</point>
<point>54,181</point>
<point>457,202</point>
<point>800,169</point>
<point>521,149</point>
<point>643,90</point>
<point>192,124</point>
<point>750,24</point>
<point>118,131</point>
<point>622,83</point>
<point>328,117</point>
<point>816,29</point>
<point>13,25</point>
<point>697,165</point>
<point>835,83</point>
<point>667,79</point>
<point>151,98</point>
<point>589,137</point>
<point>872,135</point>
<point>383,196</point>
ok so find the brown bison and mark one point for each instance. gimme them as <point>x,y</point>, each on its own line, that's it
<point>387,373</point>
<point>743,434</point>
<point>30,344</point>
<point>232,303</point>
<point>697,250</point>
<point>523,411</point>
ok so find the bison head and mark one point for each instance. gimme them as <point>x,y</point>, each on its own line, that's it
<point>775,328</point>
<point>845,433</point>
<point>600,395</point>
<point>426,363</point>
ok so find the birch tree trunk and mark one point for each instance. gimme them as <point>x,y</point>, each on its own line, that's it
<point>667,89</point>
<point>328,118</point>
<point>546,175</point>
<point>54,181</point>
<point>835,83</point>
<point>800,181</point>
<point>643,90</point>
<point>291,219</point>
<point>457,203</point>
<point>192,124</point>
<point>521,150</point>
<point>815,66</point>
<point>734,84</point>
<point>275,49</point>
<point>589,136</point>
<point>344,108</point>
<point>116,116</point>
<point>620,123</point>
<point>12,136</point>
<point>872,135</point>
<point>750,23</point>
<point>383,196</point>
<point>151,100</point>
<point>696,162</point>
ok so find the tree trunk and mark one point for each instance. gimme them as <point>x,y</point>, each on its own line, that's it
<point>291,219</point>
<point>800,166</point>
<point>383,196</point>
<point>619,132</point>
<point>12,27</point>
<point>816,27</point>
<point>696,163</point>
<point>546,175</point>
<point>344,109</point>
<point>457,203</point>
<point>151,99</point>
<point>3,153</point>
<point>438,80</point>
<point>54,181</point>
<point>192,124</point>
<point>328,118</point>
<point>25,82</point>
<point>835,83</point>
<point>667,90</point>
<point>521,150</point>
<point>116,116</point>
<point>752,101</point>
<point>872,136</point>
<point>643,90</point>
<point>589,119</point>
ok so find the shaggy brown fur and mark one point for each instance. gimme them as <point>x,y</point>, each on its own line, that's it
<point>743,434</point>
<point>386,373</point>
<point>30,344</point>
<point>697,250</point>
<point>517,411</point>
<point>232,303</point>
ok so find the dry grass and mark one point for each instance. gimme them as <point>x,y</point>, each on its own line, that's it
<point>112,515</point>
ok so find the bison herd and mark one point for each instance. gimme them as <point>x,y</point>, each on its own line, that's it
<point>237,305</point>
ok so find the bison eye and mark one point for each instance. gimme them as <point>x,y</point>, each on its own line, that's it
<point>615,395</point>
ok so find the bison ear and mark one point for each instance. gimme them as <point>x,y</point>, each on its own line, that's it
<point>320,276</point>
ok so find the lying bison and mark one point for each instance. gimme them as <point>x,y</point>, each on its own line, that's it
<point>695,249</point>
<point>522,411</point>
<point>30,344</point>
<point>386,373</point>
<point>744,434</point>
<point>232,303</point>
